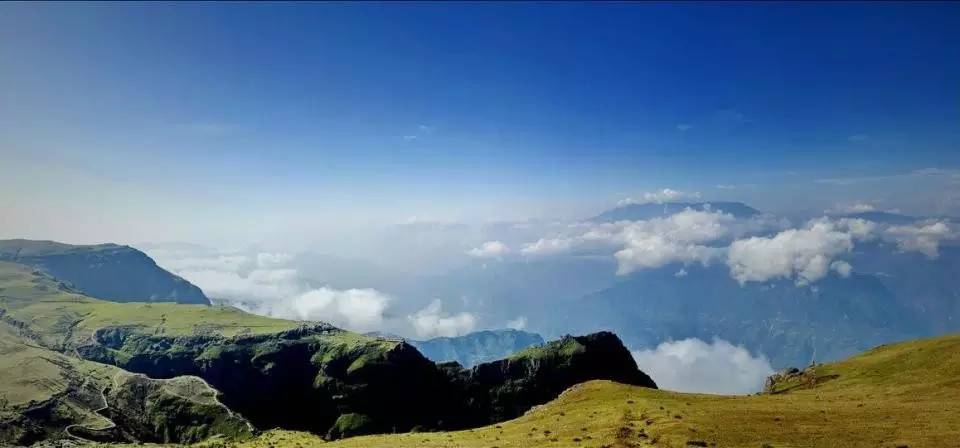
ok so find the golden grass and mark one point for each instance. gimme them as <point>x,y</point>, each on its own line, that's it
<point>900,395</point>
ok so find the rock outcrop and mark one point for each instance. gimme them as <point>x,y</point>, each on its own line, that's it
<point>335,383</point>
<point>505,389</point>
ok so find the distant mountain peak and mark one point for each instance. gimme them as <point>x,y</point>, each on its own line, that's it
<point>106,271</point>
<point>883,217</point>
<point>478,347</point>
<point>637,212</point>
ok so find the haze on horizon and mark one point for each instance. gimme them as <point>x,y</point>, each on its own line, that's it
<point>432,169</point>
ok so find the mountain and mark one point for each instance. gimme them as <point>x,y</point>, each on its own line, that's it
<point>790,325</point>
<point>883,217</point>
<point>637,212</point>
<point>46,394</point>
<point>478,347</point>
<point>106,271</point>
<point>867,401</point>
<point>929,288</point>
<point>273,373</point>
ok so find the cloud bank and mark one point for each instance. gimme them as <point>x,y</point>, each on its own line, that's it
<point>756,249</point>
<point>692,365</point>
<point>659,197</point>
<point>431,322</point>
<point>489,249</point>
<point>269,284</point>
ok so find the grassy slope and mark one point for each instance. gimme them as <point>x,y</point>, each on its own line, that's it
<point>904,394</point>
<point>899,395</point>
<point>61,316</point>
<point>32,375</point>
<point>29,248</point>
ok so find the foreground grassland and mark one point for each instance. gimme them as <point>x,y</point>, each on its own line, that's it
<point>903,395</point>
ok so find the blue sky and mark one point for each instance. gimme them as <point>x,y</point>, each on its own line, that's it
<point>271,116</point>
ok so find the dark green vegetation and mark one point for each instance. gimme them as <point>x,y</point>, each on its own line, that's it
<point>274,373</point>
<point>901,395</point>
<point>477,347</point>
<point>45,394</point>
<point>106,271</point>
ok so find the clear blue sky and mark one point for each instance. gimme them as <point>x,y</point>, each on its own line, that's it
<point>199,114</point>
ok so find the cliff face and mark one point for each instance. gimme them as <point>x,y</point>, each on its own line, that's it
<point>331,382</point>
<point>181,410</point>
<point>299,379</point>
<point>106,271</point>
<point>505,389</point>
<point>46,395</point>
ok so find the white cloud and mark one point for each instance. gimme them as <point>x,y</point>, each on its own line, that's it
<point>922,237</point>
<point>800,254</point>
<point>858,207</point>
<point>659,197</point>
<point>258,284</point>
<point>841,267</point>
<point>683,127</point>
<point>654,251</point>
<point>681,273</point>
<point>269,284</point>
<point>517,324</point>
<point>359,310</point>
<point>681,237</point>
<point>490,249</point>
<point>548,246</point>
<point>692,365</point>
<point>677,238</point>
<point>431,322</point>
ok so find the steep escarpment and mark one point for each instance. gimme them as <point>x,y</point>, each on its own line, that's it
<point>328,381</point>
<point>106,271</point>
<point>275,373</point>
<point>48,396</point>
<point>179,410</point>
<point>507,388</point>
<point>305,378</point>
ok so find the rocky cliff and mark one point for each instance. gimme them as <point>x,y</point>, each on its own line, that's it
<point>504,389</point>
<point>329,381</point>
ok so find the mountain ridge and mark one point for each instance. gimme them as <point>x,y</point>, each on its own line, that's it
<point>107,271</point>
<point>650,210</point>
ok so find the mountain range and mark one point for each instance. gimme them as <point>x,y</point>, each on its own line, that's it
<point>477,347</point>
<point>80,367</point>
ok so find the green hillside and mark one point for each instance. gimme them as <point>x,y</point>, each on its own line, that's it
<point>107,271</point>
<point>902,395</point>
<point>275,373</point>
<point>61,316</point>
